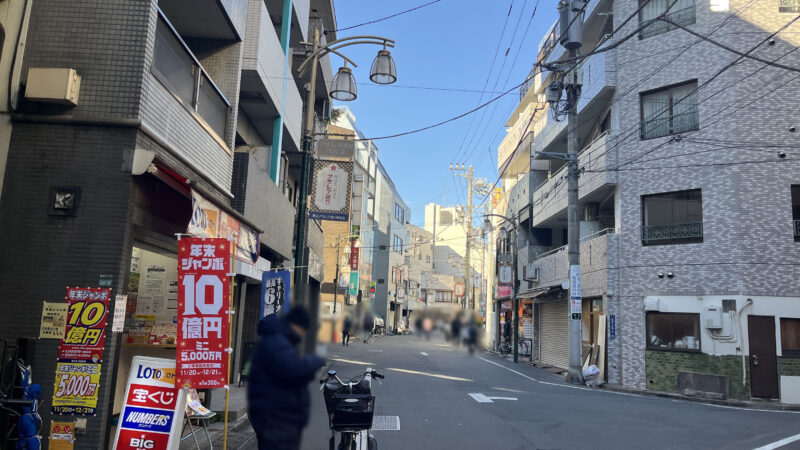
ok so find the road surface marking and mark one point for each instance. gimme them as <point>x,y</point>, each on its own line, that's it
<point>512,370</point>
<point>509,390</point>
<point>425,354</point>
<point>347,361</point>
<point>480,398</point>
<point>386,423</point>
<point>375,350</point>
<point>428,374</point>
<point>781,443</point>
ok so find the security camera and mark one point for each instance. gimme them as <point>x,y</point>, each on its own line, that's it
<point>781,154</point>
<point>670,275</point>
<point>771,42</point>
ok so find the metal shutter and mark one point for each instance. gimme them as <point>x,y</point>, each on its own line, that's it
<point>554,338</point>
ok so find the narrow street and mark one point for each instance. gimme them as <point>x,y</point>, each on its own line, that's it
<point>440,395</point>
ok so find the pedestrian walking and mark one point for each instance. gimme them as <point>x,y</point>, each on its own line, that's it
<point>369,325</point>
<point>277,391</point>
<point>347,326</point>
<point>455,330</point>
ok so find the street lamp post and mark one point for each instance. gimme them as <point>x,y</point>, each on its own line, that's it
<point>343,88</point>
<point>487,226</point>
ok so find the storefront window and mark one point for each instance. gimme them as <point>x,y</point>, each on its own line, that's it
<point>790,337</point>
<point>151,314</point>
<point>673,331</point>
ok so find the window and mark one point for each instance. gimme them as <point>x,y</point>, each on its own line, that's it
<point>672,110</point>
<point>790,337</point>
<point>443,297</point>
<point>399,213</point>
<point>673,331</point>
<point>682,13</point>
<point>370,206</point>
<point>796,211</point>
<point>397,243</point>
<point>428,259</point>
<point>672,218</point>
<point>445,218</point>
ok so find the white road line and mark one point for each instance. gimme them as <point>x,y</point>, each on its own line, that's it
<point>425,354</point>
<point>375,350</point>
<point>504,398</point>
<point>778,444</point>
<point>480,398</point>
<point>512,370</point>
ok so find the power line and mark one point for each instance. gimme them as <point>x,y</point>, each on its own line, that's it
<point>384,18</point>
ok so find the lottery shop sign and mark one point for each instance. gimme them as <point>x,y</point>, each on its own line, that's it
<point>85,333</point>
<point>152,413</point>
<point>76,388</point>
<point>203,303</point>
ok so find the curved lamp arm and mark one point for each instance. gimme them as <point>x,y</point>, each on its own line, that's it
<point>333,47</point>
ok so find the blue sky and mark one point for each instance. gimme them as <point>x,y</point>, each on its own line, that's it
<point>447,45</point>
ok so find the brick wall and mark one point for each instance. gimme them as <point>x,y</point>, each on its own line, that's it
<point>789,366</point>
<point>663,367</point>
<point>747,245</point>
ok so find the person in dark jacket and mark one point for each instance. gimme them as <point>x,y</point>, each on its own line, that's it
<point>277,392</point>
<point>369,325</point>
<point>347,327</point>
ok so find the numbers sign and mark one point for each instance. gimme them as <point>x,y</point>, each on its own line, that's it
<point>203,302</point>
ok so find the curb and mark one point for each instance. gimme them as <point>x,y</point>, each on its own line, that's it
<point>730,402</point>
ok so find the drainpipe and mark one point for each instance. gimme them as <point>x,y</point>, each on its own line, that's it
<point>277,130</point>
<point>749,302</point>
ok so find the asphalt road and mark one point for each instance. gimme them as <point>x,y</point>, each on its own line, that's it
<point>428,386</point>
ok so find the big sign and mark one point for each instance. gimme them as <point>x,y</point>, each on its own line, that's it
<point>85,334</point>
<point>152,412</point>
<point>203,303</point>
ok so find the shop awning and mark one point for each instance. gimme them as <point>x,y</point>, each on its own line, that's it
<point>540,292</point>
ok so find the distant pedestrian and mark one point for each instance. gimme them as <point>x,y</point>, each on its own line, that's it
<point>369,325</point>
<point>277,392</point>
<point>455,330</point>
<point>427,325</point>
<point>347,327</point>
<point>507,331</point>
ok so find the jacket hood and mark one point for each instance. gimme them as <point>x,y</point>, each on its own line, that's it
<point>273,324</point>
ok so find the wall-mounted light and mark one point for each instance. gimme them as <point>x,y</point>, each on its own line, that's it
<point>64,200</point>
<point>660,274</point>
<point>670,275</point>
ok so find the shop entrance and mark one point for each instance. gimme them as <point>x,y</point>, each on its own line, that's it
<point>763,357</point>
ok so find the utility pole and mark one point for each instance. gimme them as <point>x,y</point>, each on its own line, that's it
<point>571,16</point>
<point>481,186</point>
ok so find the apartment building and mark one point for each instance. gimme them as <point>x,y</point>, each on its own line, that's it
<point>164,128</point>
<point>688,199</point>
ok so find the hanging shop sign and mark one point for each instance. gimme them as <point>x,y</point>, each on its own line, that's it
<point>353,256</point>
<point>330,191</point>
<point>612,326</point>
<point>275,291</point>
<point>85,332</point>
<point>76,388</point>
<point>497,194</point>
<point>353,283</point>
<point>54,320</point>
<point>504,273</point>
<point>503,291</point>
<point>205,217</point>
<point>335,148</point>
<point>152,411</point>
<point>459,288</point>
<point>247,239</point>
<point>204,266</point>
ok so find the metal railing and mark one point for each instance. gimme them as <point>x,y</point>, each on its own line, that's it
<point>178,69</point>
<point>602,232</point>
<point>677,231</point>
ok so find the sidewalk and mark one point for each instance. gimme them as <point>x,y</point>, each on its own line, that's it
<point>240,432</point>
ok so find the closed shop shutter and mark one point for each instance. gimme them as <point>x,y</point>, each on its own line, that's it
<point>554,339</point>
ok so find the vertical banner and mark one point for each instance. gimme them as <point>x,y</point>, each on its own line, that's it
<point>152,409</point>
<point>354,283</point>
<point>575,300</point>
<point>203,303</point>
<point>205,217</point>
<point>330,191</point>
<point>275,289</point>
<point>80,353</point>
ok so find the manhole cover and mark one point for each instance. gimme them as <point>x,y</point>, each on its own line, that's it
<point>386,423</point>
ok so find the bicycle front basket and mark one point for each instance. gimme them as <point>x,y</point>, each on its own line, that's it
<point>351,411</point>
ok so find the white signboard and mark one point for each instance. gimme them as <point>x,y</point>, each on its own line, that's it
<point>330,193</point>
<point>505,275</point>
<point>120,304</point>
<point>575,289</point>
<point>152,411</point>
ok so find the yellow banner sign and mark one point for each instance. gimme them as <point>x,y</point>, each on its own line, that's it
<point>76,388</point>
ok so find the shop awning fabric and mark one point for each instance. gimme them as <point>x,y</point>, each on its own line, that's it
<point>540,292</point>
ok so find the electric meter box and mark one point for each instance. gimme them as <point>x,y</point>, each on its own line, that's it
<point>713,317</point>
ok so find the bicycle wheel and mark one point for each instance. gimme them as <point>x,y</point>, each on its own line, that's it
<point>372,444</point>
<point>347,442</point>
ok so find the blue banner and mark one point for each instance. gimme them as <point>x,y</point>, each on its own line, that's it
<point>612,326</point>
<point>275,291</point>
<point>147,419</point>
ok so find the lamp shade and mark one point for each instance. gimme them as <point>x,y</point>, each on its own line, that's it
<point>383,70</point>
<point>487,226</point>
<point>344,85</point>
<point>502,234</point>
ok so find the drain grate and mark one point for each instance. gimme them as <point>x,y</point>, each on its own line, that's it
<point>386,423</point>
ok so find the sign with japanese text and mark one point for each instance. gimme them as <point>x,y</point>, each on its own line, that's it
<point>330,191</point>
<point>203,302</point>
<point>247,240</point>
<point>205,217</point>
<point>504,273</point>
<point>612,326</point>
<point>503,291</point>
<point>335,148</point>
<point>275,291</point>
<point>459,288</point>
<point>354,283</point>
<point>76,388</point>
<point>62,435</point>
<point>54,320</point>
<point>85,333</point>
<point>575,300</point>
<point>354,251</point>
<point>153,408</point>
<point>120,307</point>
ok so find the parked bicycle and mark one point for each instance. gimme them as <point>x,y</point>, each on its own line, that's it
<point>351,407</point>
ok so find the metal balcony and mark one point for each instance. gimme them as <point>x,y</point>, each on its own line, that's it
<point>674,232</point>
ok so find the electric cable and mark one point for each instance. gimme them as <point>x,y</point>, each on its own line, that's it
<point>383,18</point>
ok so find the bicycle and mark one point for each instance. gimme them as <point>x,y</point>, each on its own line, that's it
<point>351,407</point>
<point>503,349</point>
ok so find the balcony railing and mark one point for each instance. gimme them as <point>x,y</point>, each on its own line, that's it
<point>182,74</point>
<point>672,232</point>
<point>797,228</point>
